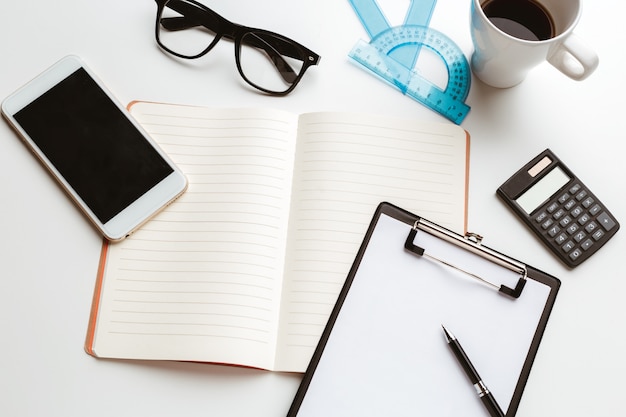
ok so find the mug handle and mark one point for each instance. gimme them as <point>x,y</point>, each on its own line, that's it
<point>574,58</point>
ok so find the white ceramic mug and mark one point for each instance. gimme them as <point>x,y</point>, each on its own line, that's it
<point>502,60</point>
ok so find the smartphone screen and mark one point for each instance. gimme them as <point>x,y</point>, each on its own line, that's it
<point>93,145</point>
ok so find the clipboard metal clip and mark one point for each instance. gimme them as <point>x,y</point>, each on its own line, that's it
<point>473,243</point>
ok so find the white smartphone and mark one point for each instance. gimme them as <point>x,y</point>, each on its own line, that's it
<point>99,154</point>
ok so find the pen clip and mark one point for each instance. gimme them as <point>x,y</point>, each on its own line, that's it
<point>471,242</point>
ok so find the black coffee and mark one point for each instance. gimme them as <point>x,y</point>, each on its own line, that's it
<point>523,19</point>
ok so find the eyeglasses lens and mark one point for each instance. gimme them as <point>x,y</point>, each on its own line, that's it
<point>183,28</point>
<point>269,61</point>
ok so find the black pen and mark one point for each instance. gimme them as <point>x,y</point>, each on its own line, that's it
<point>485,395</point>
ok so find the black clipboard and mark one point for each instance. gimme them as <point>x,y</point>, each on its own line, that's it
<point>383,351</point>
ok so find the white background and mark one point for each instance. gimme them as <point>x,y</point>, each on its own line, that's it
<point>50,253</point>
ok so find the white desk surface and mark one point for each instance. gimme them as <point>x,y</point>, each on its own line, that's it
<point>49,252</point>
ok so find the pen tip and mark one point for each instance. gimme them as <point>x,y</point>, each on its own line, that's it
<point>449,335</point>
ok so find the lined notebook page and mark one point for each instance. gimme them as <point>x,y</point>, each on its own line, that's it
<point>202,281</point>
<point>345,165</point>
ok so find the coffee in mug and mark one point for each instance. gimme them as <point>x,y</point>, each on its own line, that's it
<point>523,19</point>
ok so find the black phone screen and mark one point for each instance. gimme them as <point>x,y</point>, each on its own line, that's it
<point>93,145</point>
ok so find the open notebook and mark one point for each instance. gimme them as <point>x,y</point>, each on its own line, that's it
<point>246,266</point>
<point>384,353</point>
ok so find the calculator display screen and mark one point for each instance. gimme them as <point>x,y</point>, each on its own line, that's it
<point>542,190</point>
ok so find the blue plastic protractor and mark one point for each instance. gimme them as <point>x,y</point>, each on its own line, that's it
<point>374,21</point>
<point>449,102</point>
<point>393,51</point>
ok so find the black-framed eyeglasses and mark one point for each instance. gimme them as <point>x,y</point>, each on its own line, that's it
<point>266,60</point>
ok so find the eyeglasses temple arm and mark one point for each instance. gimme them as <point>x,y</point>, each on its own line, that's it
<point>177,23</point>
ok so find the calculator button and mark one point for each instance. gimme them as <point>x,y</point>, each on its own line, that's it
<point>595,210</point>
<point>580,236</point>
<point>606,221</point>
<point>588,202</point>
<point>560,213</point>
<point>577,211</point>
<point>574,189</point>
<point>541,217</point>
<point>581,195</point>
<point>554,230</point>
<point>552,207</point>
<point>547,224</point>
<point>570,204</point>
<point>584,219</point>
<point>563,198</point>
<point>598,234</point>
<point>575,254</point>
<point>560,239</point>
<point>568,246</point>
<point>572,228</point>
<point>565,221</point>
<point>591,227</point>
<point>586,244</point>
